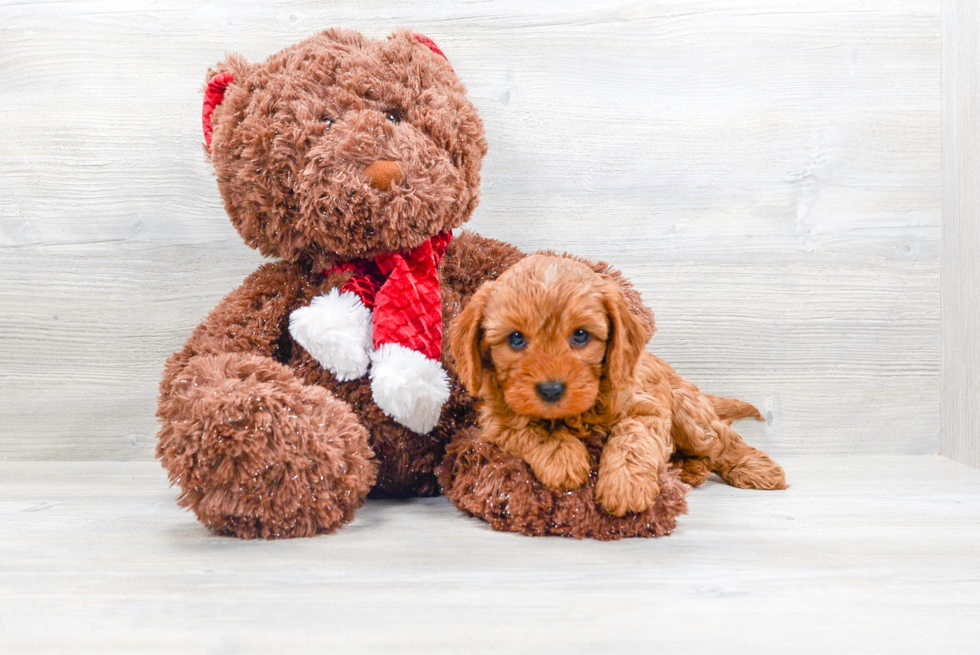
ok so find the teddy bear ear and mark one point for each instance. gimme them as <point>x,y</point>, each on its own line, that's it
<point>214,94</point>
<point>431,45</point>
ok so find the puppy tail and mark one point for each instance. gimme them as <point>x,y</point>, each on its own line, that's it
<point>731,409</point>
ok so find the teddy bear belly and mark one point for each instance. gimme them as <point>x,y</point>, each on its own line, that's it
<point>406,460</point>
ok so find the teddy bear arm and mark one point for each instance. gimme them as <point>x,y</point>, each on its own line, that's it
<point>251,319</point>
<point>255,451</point>
<point>472,259</point>
<point>258,453</point>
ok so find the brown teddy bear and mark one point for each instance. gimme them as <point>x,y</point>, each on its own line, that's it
<point>325,375</point>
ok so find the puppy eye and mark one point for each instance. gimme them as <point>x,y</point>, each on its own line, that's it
<point>326,120</point>
<point>516,340</point>
<point>580,337</point>
<point>393,116</point>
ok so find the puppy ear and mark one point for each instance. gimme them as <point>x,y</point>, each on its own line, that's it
<point>464,341</point>
<point>627,338</point>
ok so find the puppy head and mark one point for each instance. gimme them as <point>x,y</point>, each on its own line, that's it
<point>547,337</point>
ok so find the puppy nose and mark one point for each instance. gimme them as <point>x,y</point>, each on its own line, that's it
<point>551,391</point>
<point>383,174</point>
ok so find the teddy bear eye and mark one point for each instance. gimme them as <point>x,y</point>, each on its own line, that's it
<point>580,337</point>
<point>326,120</point>
<point>393,116</point>
<point>516,340</point>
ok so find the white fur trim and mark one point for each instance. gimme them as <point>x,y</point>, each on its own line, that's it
<point>336,330</point>
<point>408,386</point>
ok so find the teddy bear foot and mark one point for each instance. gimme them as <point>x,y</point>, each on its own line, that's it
<point>484,481</point>
<point>256,453</point>
<point>336,330</point>
<point>408,386</point>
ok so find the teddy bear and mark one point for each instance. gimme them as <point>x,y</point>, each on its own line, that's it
<point>325,377</point>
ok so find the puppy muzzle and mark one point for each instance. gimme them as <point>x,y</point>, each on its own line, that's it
<point>551,391</point>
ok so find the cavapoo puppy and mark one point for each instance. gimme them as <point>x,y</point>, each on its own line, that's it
<point>554,354</point>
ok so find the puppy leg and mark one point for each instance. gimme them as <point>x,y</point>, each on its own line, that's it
<point>630,463</point>
<point>558,459</point>
<point>694,470</point>
<point>698,431</point>
<point>749,468</point>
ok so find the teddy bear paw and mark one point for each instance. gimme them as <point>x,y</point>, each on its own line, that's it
<point>336,330</point>
<point>408,386</point>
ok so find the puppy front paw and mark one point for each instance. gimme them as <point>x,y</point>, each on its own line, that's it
<point>561,463</point>
<point>622,491</point>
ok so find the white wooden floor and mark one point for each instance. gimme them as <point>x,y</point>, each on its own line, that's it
<point>862,555</point>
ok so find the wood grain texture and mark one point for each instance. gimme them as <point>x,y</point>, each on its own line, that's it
<point>960,436</point>
<point>767,172</point>
<point>861,555</point>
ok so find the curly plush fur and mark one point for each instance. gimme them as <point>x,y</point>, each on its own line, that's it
<point>558,360</point>
<point>484,481</point>
<point>260,438</point>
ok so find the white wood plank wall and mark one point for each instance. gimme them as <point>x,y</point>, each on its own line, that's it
<point>961,232</point>
<point>767,171</point>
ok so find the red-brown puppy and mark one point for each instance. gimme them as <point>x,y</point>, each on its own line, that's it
<point>554,353</point>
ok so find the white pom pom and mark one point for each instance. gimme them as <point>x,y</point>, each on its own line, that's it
<point>336,330</point>
<point>408,386</point>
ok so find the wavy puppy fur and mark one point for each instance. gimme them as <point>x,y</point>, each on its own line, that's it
<point>555,356</point>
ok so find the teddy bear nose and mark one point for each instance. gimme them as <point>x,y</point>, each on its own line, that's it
<point>383,174</point>
<point>551,391</point>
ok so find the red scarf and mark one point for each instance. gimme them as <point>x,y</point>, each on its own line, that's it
<point>403,290</point>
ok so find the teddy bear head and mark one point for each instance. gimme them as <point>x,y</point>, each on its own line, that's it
<point>342,147</point>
